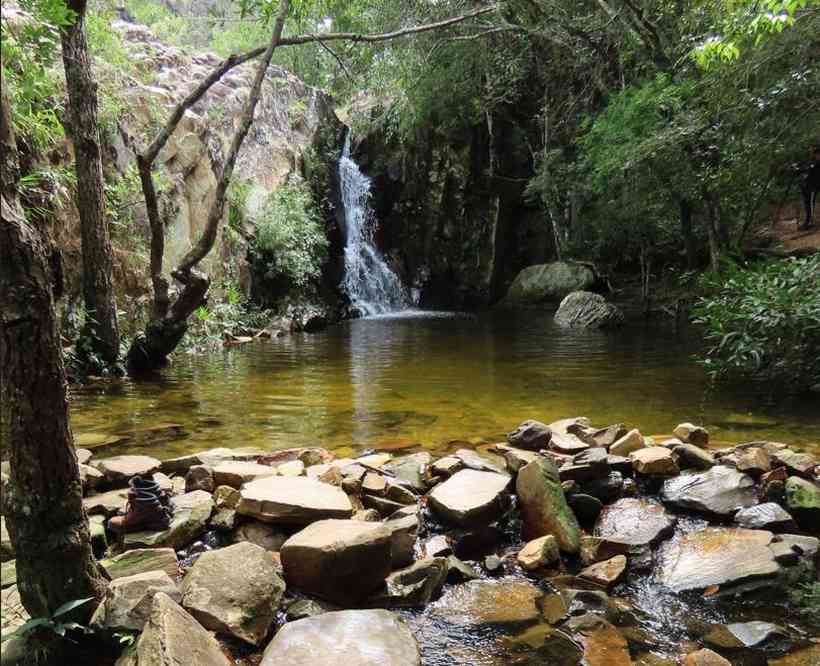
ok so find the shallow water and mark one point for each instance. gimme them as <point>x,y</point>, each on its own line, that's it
<point>429,380</point>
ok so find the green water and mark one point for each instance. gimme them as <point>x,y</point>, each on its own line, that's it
<point>431,381</point>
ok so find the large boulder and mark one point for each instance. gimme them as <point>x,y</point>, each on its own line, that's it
<point>191,514</point>
<point>548,282</point>
<point>128,600</point>
<point>470,498</point>
<point>349,637</point>
<point>720,490</point>
<point>584,309</point>
<point>292,500</point>
<point>172,637</point>
<point>633,521</point>
<point>544,507</point>
<point>235,591</point>
<point>342,561</point>
<point>717,556</point>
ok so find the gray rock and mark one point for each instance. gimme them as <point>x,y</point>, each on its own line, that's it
<point>413,586</point>
<point>119,469</point>
<point>106,504</point>
<point>349,637</point>
<point>128,601</point>
<point>584,309</point>
<point>234,473</point>
<point>530,436</point>
<point>292,500</point>
<point>191,514</point>
<point>342,561</point>
<point>403,530</point>
<point>544,508</point>
<point>631,441</point>
<point>235,591</point>
<point>764,516</point>
<point>459,572</point>
<point>470,498</point>
<point>504,601</point>
<point>636,522</point>
<point>263,535</point>
<point>209,458</point>
<point>410,470</point>
<point>199,477</point>
<point>548,282</point>
<point>720,490</point>
<point>694,457</point>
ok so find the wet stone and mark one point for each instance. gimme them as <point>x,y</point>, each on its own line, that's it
<point>544,508</point>
<point>413,586</point>
<point>743,634</point>
<point>597,549</point>
<point>770,516</point>
<point>480,602</point>
<point>705,657</point>
<point>636,522</point>
<point>540,552</point>
<point>605,573</point>
<point>720,490</point>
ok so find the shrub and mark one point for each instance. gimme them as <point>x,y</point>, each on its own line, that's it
<point>764,322</point>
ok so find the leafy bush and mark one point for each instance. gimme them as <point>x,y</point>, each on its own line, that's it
<point>764,322</point>
<point>289,245</point>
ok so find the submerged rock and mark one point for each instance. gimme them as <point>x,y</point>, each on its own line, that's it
<point>636,522</point>
<point>470,498</point>
<point>342,561</point>
<point>544,508</point>
<point>349,637</point>
<point>480,602</point>
<point>743,634</point>
<point>720,490</point>
<point>717,556</point>
<point>603,643</point>
<point>292,500</point>
<point>585,309</point>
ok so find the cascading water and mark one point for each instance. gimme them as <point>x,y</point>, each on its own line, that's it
<point>368,281</point>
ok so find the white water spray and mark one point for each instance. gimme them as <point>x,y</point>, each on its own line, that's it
<point>369,283</point>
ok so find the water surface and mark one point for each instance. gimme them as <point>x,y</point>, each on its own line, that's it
<point>433,381</point>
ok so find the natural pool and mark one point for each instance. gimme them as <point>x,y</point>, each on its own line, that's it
<point>430,380</point>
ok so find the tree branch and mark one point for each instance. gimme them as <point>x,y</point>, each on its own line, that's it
<point>338,59</point>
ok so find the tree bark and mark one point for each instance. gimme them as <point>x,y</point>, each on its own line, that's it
<point>44,509</point>
<point>101,327</point>
<point>690,248</point>
<point>712,231</point>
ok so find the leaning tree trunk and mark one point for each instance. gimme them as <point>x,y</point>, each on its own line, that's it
<point>43,507</point>
<point>101,328</point>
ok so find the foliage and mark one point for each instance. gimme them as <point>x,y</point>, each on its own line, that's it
<point>807,598</point>
<point>764,322</point>
<point>53,623</point>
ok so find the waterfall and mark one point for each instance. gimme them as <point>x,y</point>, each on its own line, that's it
<point>368,281</point>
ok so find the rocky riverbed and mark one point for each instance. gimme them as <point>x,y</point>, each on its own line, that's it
<point>566,544</point>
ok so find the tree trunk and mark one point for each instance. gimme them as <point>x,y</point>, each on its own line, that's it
<point>712,232</point>
<point>688,234</point>
<point>101,328</point>
<point>44,508</point>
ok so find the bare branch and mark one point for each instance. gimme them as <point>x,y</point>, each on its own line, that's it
<point>338,59</point>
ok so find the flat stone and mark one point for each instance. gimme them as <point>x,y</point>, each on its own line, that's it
<point>447,466</point>
<point>411,470</point>
<point>603,644</point>
<point>801,464</point>
<point>234,591</point>
<point>470,498</point>
<point>263,535</point>
<point>631,441</point>
<point>598,549</point>
<point>375,460</point>
<point>605,573</point>
<point>293,500</point>
<point>688,432</point>
<point>234,473</point>
<point>606,437</point>
<point>764,516</point>
<point>374,484</point>
<point>530,435</point>
<point>342,561</point>
<point>172,637</point>
<point>720,490</point>
<point>292,468</point>
<point>413,586</point>
<point>805,546</point>
<point>120,469</point>
<point>128,600</point>
<point>654,461</point>
<point>692,456</point>
<point>567,443</point>
<point>141,560</point>
<point>209,458</point>
<point>705,657</point>
<point>496,602</point>
<point>544,508</point>
<point>349,637</point>
<point>743,634</point>
<point>106,504</point>
<point>636,522</point>
<point>540,552</point>
<point>477,461</point>
<point>717,556</point>
<point>191,514</point>
<point>515,458</point>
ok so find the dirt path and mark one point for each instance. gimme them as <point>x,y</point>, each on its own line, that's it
<point>790,239</point>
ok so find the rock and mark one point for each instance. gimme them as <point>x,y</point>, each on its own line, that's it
<point>592,463</point>
<point>223,520</point>
<point>691,456</point>
<point>261,534</point>
<point>302,608</point>
<point>540,552</point>
<point>106,504</point>
<point>654,461</point>
<point>585,309</point>
<point>801,464</point>
<point>172,637</point>
<point>413,586</point>
<point>631,441</point>
<point>292,501</point>
<point>803,501</point>
<point>234,473</point>
<point>515,458</point>
<point>585,507</point>
<point>770,516</point>
<point>470,498</point>
<point>142,560</point>
<point>603,643</point>
<point>8,574</point>
<point>292,468</point>
<point>90,477</point>
<point>199,477</point>
<point>606,437</point>
<point>349,637</point>
<point>226,497</point>
<point>119,469</point>
<point>374,484</point>
<point>374,460</point>
<point>12,613</point>
<point>493,564</point>
<point>367,515</point>
<point>459,572</point>
<point>687,432</point>
<point>410,470</point>
<point>342,561</point>
<point>495,602</point>
<point>83,456</point>
<point>605,573</point>
<point>396,492</point>
<point>720,490</point>
<point>598,549</point>
<point>808,656</point>
<point>530,436</point>
<point>6,547</point>
<point>717,556</point>
<point>128,601</point>
<point>754,461</point>
<point>477,461</point>
<point>548,282</point>
<point>544,508</point>
<point>235,591</point>
<point>805,546</point>
<point>705,657</point>
<point>384,506</point>
<point>607,490</point>
<point>567,443</point>
<point>191,514</point>
<point>743,634</point>
<point>447,466</point>
<point>636,522</point>
<point>403,530</point>
<point>210,458</point>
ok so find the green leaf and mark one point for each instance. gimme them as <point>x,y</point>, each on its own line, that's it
<point>70,606</point>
